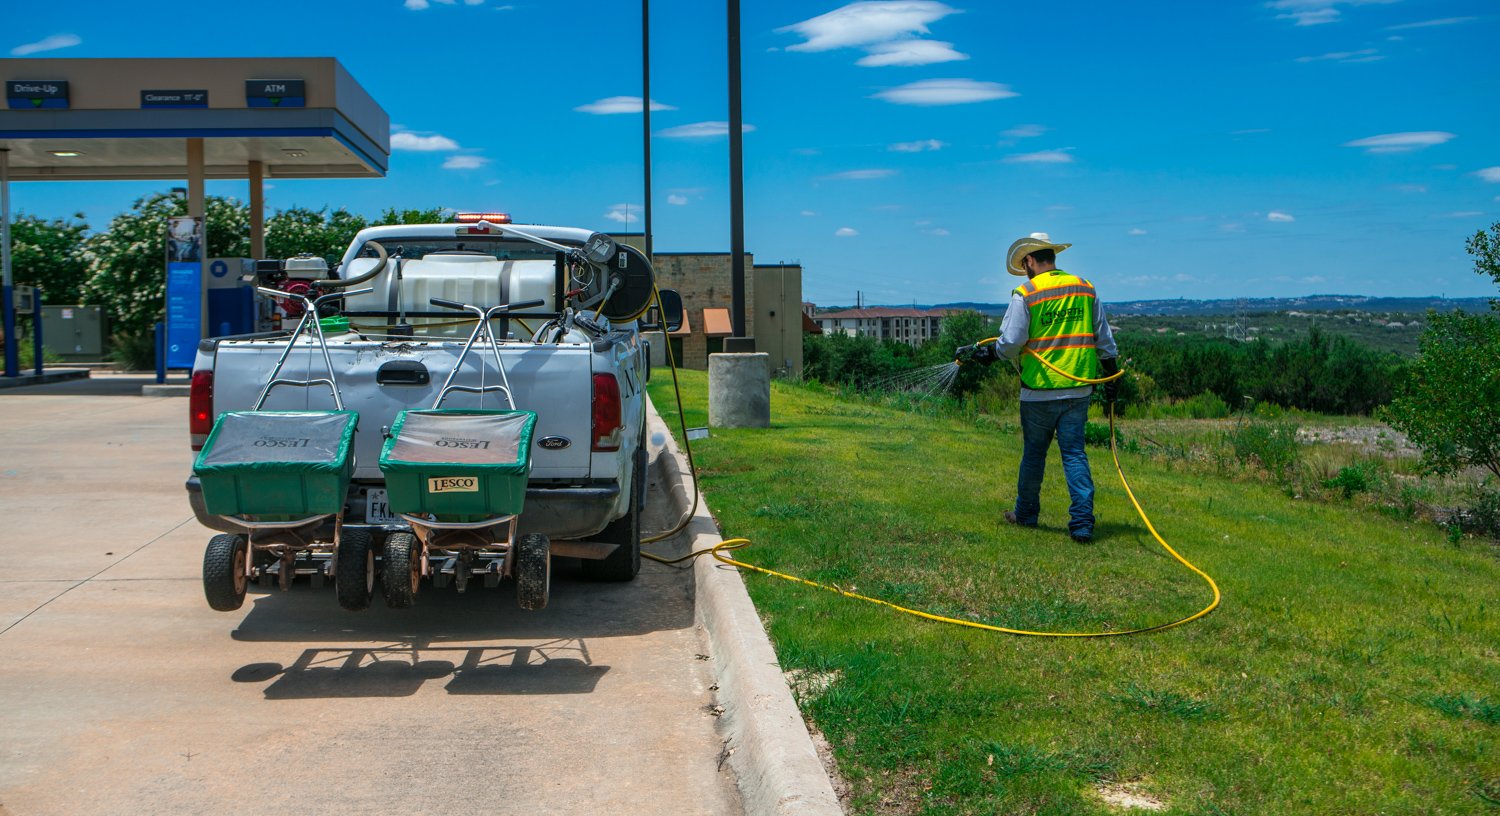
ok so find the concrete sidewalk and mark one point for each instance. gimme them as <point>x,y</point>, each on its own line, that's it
<point>123,693</point>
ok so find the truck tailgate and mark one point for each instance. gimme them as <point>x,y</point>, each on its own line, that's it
<point>553,380</point>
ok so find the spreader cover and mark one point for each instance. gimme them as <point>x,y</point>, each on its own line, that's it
<point>260,463</point>
<point>458,464</point>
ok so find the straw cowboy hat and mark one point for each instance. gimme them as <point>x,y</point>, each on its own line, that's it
<point>1025,246</point>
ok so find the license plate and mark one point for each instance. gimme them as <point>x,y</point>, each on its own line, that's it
<point>378,508</point>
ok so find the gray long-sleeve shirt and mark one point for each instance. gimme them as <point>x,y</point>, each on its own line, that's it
<point>1015,330</point>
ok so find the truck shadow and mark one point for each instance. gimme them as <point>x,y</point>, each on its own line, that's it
<point>659,599</point>
<point>553,667</point>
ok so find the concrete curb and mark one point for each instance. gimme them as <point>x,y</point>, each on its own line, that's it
<point>52,376</point>
<point>771,753</point>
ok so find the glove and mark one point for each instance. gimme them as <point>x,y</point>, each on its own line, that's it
<point>1110,366</point>
<point>981,354</point>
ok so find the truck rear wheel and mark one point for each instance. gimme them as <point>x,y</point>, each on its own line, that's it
<point>224,578</point>
<point>354,574</point>
<point>625,533</point>
<point>533,570</point>
<point>402,573</point>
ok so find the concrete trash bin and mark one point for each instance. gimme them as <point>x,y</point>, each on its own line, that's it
<point>739,390</point>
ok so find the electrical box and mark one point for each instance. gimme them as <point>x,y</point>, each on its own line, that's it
<point>25,299</point>
<point>75,333</point>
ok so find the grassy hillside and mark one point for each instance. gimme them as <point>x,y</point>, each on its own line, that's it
<point>1353,667</point>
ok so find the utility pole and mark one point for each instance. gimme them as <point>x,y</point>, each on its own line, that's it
<point>646,113</point>
<point>736,178</point>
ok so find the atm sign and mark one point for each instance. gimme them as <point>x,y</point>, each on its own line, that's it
<point>276,93</point>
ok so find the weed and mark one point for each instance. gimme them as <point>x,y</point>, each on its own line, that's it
<point>1351,479</point>
<point>134,350</point>
<point>1271,445</point>
<point>1166,702</point>
<point>1463,706</point>
<point>1096,433</point>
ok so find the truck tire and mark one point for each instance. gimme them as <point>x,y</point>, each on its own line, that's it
<point>533,571</point>
<point>625,532</point>
<point>224,578</point>
<point>402,573</point>
<point>354,574</point>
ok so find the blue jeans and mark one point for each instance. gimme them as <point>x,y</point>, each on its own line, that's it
<point>1039,422</point>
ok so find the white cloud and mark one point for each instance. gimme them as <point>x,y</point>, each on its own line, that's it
<point>623,213</point>
<point>1462,214</point>
<point>1231,227</point>
<point>861,175</point>
<point>938,231</point>
<point>910,52</point>
<point>1136,231</point>
<point>620,104</point>
<point>1490,174</point>
<point>1279,217</point>
<point>1024,131</point>
<point>1041,157</point>
<point>1249,131</point>
<point>1401,142</point>
<point>416,5</point>
<point>1314,279</point>
<point>846,232</point>
<point>1316,12</point>
<point>678,200</point>
<point>918,146</point>
<point>465,162</point>
<point>865,23</point>
<point>406,140</point>
<point>946,92</point>
<point>1430,23</point>
<point>809,214</point>
<point>700,130</point>
<point>51,43</point>
<point>1362,55</point>
<point>1410,188</point>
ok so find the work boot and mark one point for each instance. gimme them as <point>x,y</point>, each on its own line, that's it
<point>1010,518</point>
<point>1082,537</point>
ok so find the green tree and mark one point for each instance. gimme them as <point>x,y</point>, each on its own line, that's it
<point>1485,247</point>
<point>964,329</point>
<point>317,232</point>
<point>49,254</point>
<point>391,215</point>
<point>127,262</point>
<point>1450,407</point>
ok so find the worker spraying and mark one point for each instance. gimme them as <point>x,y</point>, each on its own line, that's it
<point>1055,325</point>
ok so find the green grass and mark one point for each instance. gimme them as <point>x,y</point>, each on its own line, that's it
<point>1351,669</point>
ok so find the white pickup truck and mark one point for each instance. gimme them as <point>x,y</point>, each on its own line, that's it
<point>576,357</point>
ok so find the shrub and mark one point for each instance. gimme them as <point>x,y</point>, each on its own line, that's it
<point>1351,479</point>
<point>1271,445</point>
<point>134,349</point>
<point>1097,433</point>
<point>1450,405</point>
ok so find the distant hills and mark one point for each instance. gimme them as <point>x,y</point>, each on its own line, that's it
<point>1309,303</point>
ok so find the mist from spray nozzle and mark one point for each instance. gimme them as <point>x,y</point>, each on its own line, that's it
<point>929,381</point>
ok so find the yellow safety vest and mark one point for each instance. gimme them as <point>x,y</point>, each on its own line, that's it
<point>1062,330</point>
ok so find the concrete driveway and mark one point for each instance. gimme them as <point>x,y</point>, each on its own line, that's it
<point>122,692</point>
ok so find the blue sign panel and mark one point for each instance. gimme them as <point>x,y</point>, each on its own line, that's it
<point>184,312</point>
<point>276,93</point>
<point>36,94</point>
<point>174,99</point>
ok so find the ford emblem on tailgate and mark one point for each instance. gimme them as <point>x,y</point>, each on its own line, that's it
<point>554,442</point>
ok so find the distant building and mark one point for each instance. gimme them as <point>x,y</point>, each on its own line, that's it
<point>910,326</point>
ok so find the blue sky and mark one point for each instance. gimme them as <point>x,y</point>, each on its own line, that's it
<point>1212,149</point>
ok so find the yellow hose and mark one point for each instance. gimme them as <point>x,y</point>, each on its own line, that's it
<point>729,545</point>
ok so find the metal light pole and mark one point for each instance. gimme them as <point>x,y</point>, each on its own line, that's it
<point>736,178</point>
<point>7,292</point>
<point>646,112</point>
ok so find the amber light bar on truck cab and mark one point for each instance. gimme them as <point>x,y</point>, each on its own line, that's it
<point>476,217</point>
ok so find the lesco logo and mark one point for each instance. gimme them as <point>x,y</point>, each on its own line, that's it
<point>554,442</point>
<point>453,484</point>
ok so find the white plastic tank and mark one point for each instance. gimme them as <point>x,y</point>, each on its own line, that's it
<point>480,280</point>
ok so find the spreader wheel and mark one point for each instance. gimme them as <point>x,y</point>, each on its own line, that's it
<point>402,573</point>
<point>224,578</point>
<point>533,570</point>
<point>354,574</point>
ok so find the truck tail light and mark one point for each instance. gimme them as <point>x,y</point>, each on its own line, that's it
<point>201,407</point>
<point>607,420</point>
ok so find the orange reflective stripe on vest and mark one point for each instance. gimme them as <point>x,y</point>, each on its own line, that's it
<point>1061,309</point>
